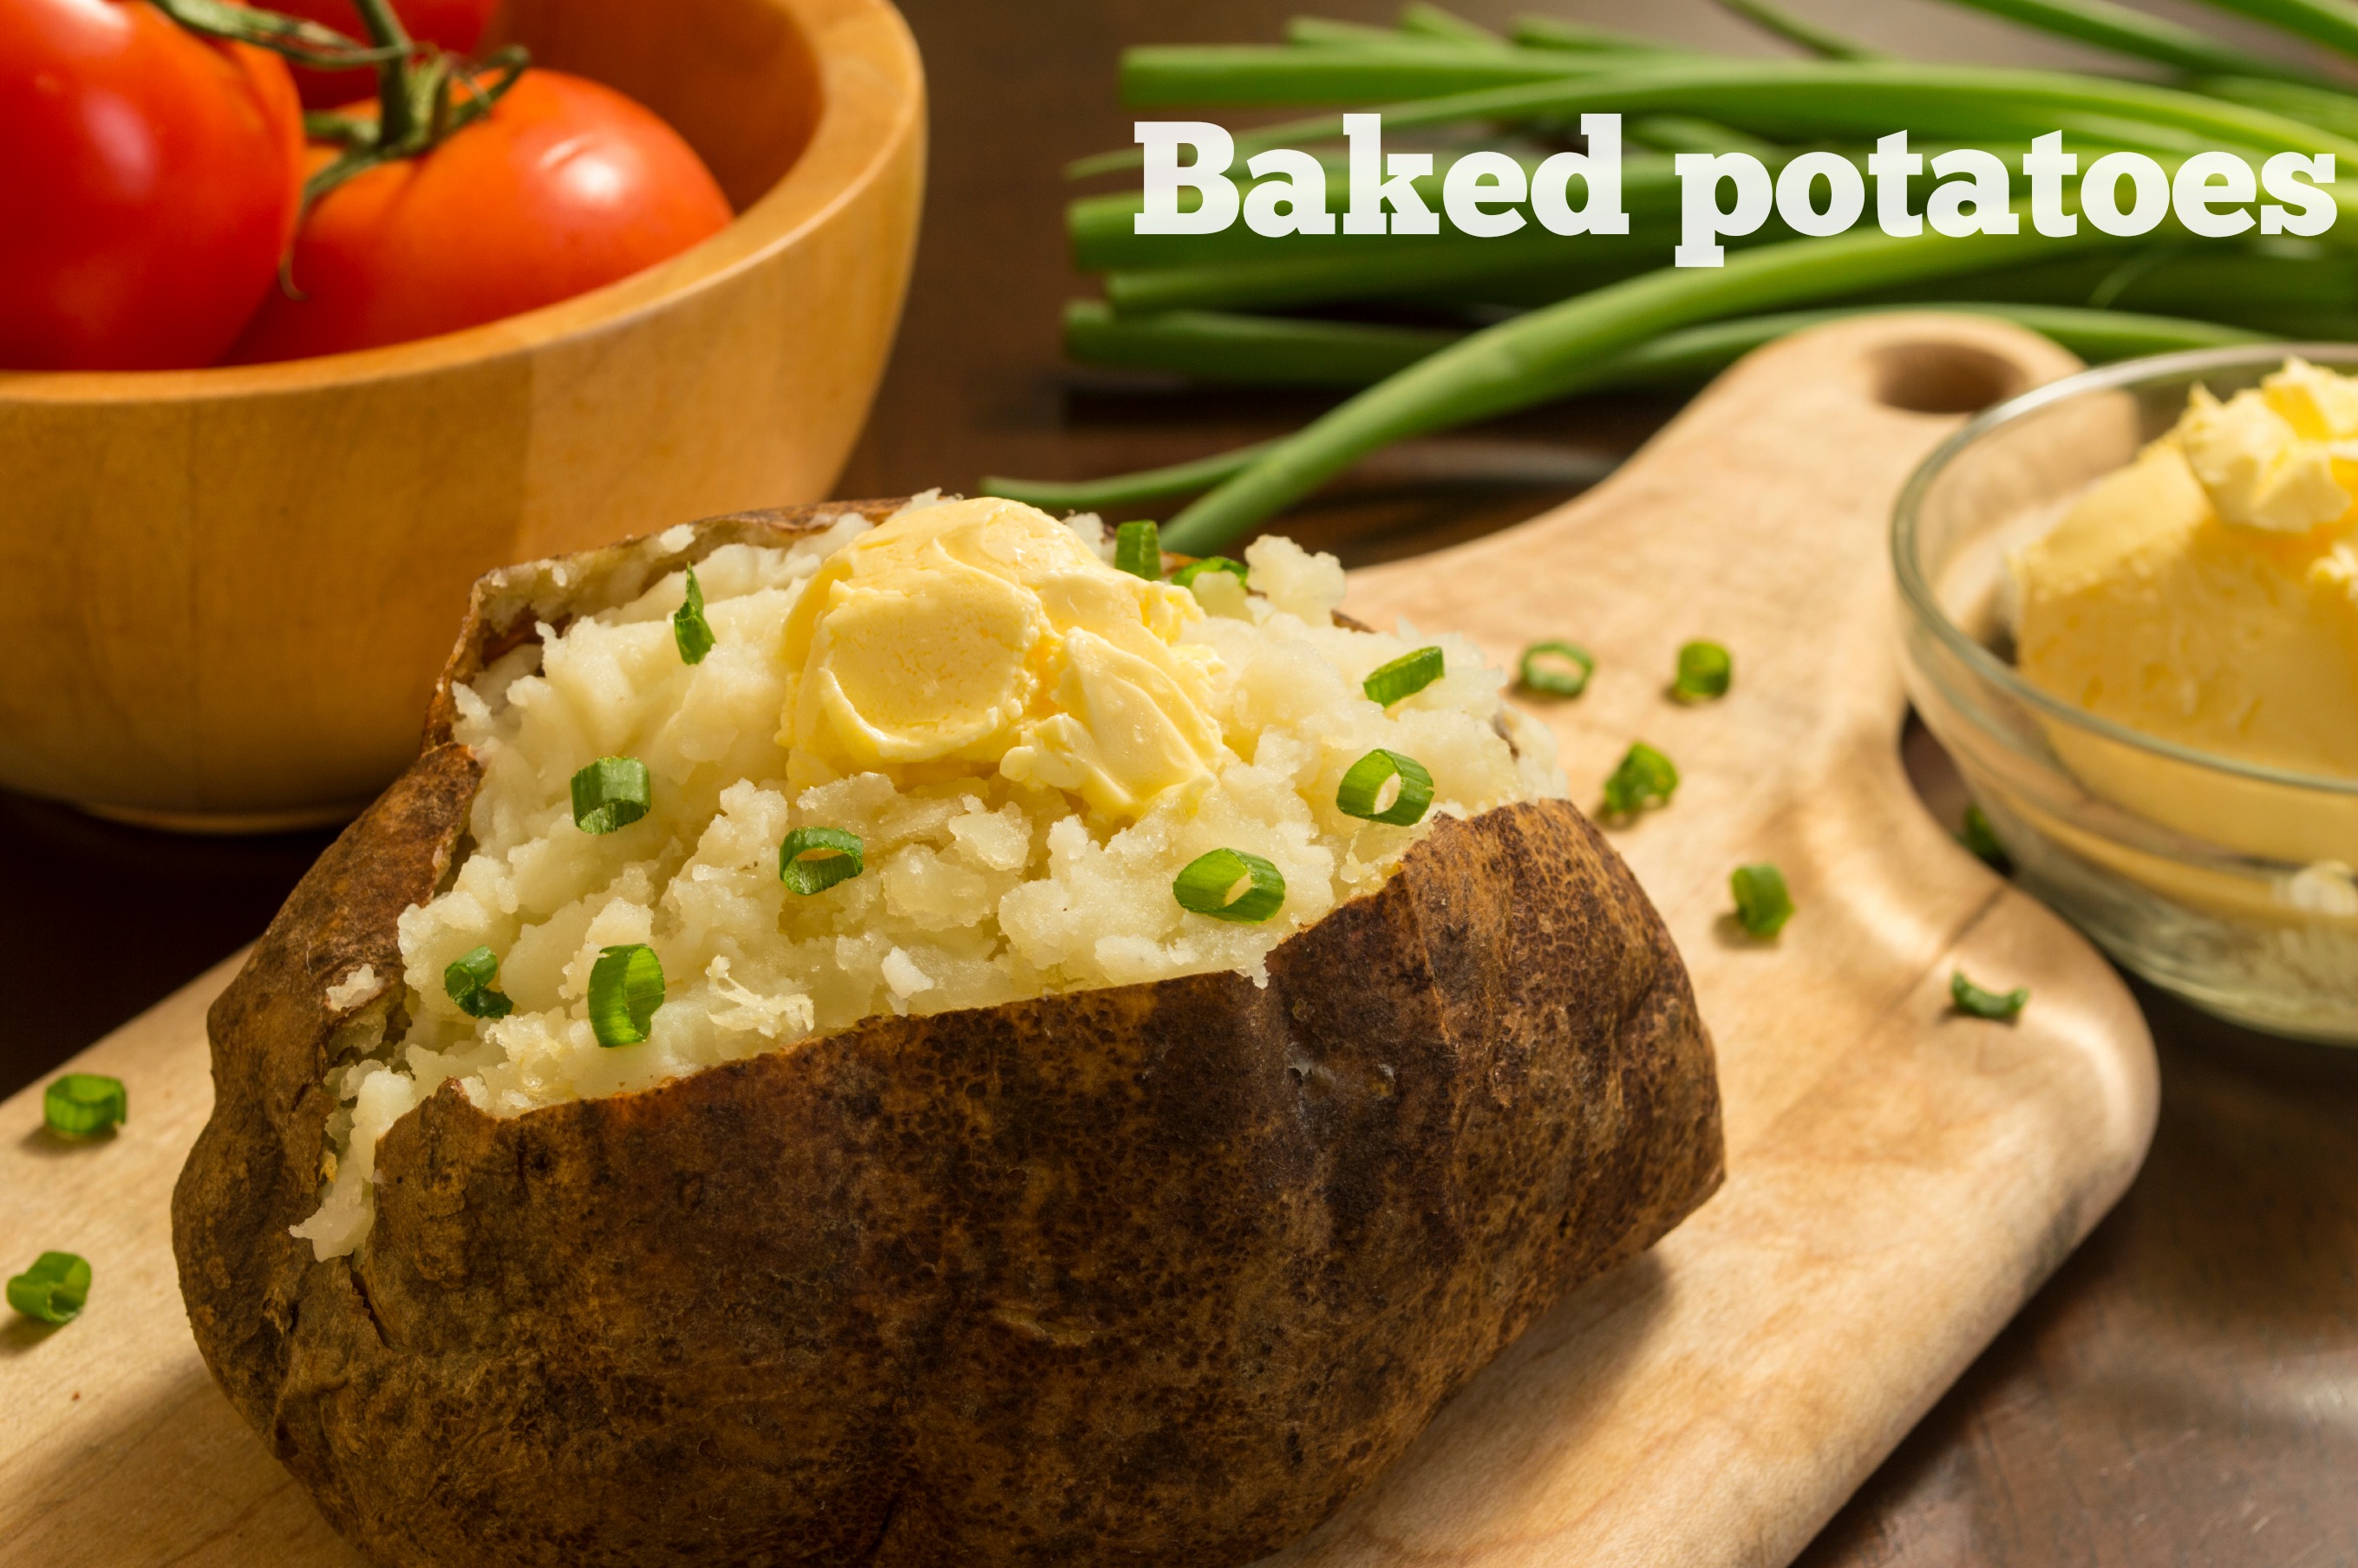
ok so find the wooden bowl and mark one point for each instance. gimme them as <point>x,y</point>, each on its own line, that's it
<point>225,594</point>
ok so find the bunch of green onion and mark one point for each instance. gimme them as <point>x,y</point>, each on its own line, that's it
<point>1432,332</point>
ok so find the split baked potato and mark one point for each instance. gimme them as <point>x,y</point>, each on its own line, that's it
<point>1155,1273</point>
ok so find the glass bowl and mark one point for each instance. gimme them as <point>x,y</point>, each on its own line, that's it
<point>2227,883</point>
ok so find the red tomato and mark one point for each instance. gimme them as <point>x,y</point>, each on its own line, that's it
<point>149,184</point>
<point>565,187</point>
<point>457,24</point>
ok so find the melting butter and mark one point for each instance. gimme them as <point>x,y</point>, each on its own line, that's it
<point>2207,594</point>
<point>968,637</point>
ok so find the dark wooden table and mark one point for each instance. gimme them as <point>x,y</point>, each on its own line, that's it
<point>2185,1392</point>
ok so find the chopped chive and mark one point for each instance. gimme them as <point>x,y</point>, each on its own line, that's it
<point>1982,841</point>
<point>689,628</point>
<point>1363,787</point>
<point>80,1105</point>
<point>1137,550</point>
<point>813,859</point>
<point>1704,671</point>
<point>626,986</point>
<point>2003,1007</point>
<point>1404,676</point>
<point>469,982</point>
<point>1762,902</point>
<point>53,1289</point>
<point>1186,576</point>
<point>1205,886</point>
<point>610,793</point>
<point>1551,682</point>
<point>1645,777</point>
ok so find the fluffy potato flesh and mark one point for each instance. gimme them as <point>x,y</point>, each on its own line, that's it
<point>1030,745</point>
<point>1153,1274</point>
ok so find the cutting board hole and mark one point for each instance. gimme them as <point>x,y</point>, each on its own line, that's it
<point>1943,378</point>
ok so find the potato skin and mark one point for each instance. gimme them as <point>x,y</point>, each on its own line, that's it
<point>1157,1275</point>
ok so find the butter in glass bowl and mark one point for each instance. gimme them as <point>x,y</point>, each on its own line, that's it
<point>2207,594</point>
<point>2132,617</point>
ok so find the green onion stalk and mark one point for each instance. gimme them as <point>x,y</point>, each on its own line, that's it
<point>1421,19</point>
<point>1278,353</point>
<point>1102,233</point>
<point>2334,23</point>
<point>1242,75</point>
<point>1805,99</point>
<point>1801,33</point>
<point>1539,357</point>
<point>1603,314</point>
<point>2133,33</point>
<point>1547,33</point>
<point>2163,274</point>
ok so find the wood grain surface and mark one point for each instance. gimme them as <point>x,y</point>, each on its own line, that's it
<point>2185,1390</point>
<point>1900,1178</point>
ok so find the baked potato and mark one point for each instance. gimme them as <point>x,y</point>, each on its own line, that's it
<point>1021,1265</point>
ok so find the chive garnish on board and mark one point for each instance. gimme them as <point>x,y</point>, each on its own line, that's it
<point>1645,777</point>
<point>1550,681</point>
<point>469,982</point>
<point>609,794</point>
<point>1205,886</point>
<point>1404,676</point>
<point>81,1105</point>
<point>690,630</point>
<point>1982,841</point>
<point>1363,787</point>
<point>813,859</point>
<point>2002,1007</point>
<point>53,1289</point>
<point>626,986</point>
<point>1137,550</point>
<point>1763,903</point>
<point>1705,672</point>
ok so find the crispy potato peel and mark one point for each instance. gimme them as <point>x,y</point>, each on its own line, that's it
<point>1157,1275</point>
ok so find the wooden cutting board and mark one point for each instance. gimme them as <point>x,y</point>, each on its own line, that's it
<point>1900,1179</point>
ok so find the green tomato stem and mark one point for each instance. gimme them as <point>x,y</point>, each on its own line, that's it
<point>395,95</point>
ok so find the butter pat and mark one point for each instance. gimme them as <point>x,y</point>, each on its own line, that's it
<point>2255,466</point>
<point>971,637</point>
<point>2207,594</point>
